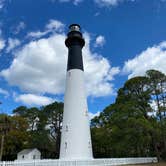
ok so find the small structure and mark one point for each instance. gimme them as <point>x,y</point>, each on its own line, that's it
<point>29,154</point>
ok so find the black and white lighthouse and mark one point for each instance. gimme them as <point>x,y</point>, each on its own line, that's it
<point>76,138</point>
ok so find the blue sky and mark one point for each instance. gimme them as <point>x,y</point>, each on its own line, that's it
<point>124,38</point>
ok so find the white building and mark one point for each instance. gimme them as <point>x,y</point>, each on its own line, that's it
<point>29,154</point>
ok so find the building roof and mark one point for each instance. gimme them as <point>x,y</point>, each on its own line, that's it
<point>26,151</point>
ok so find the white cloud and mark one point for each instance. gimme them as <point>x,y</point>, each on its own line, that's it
<point>154,105</point>
<point>75,2</point>
<point>37,34</point>
<point>4,92</point>
<point>32,99</point>
<point>2,41</point>
<point>2,44</point>
<point>2,2</point>
<point>12,43</point>
<point>53,26</point>
<point>152,58</point>
<point>92,115</point>
<point>100,41</point>
<point>40,62</point>
<point>40,67</point>
<point>19,27</point>
<point>98,72</point>
<point>97,14</point>
<point>108,3</point>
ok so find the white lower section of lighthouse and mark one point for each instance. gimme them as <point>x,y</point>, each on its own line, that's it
<point>76,137</point>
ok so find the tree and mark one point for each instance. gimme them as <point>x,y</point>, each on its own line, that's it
<point>21,111</point>
<point>4,129</point>
<point>129,125</point>
<point>44,124</point>
<point>30,114</point>
<point>54,113</point>
<point>125,123</point>
<point>16,138</point>
<point>157,84</point>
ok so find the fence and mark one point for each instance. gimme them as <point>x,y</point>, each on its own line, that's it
<point>93,162</point>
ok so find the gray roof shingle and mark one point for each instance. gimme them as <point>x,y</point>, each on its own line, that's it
<point>26,151</point>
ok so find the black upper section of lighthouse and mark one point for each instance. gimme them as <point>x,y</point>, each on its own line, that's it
<point>75,43</point>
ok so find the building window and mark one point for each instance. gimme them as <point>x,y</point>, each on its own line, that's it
<point>22,156</point>
<point>34,157</point>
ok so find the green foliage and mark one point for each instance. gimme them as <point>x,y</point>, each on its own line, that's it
<point>32,128</point>
<point>157,84</point>
<point>125,128</point>
<point>15,135</point>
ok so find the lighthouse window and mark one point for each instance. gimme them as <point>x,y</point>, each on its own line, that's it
<point>89,144</point>
<point>66,128</point>
<point>69,74</point>
<point>86,113</point>
<point>65,145</point>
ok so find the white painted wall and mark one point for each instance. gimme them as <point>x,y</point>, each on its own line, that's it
<point>30,155</point>
<point>76,138</point>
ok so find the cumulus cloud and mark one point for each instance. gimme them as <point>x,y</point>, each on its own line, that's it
<point>21,25</point>
<point>152,58</point>
<point>37,34</point>
<point>12,43</point>
<point>32,99</point>
<point>100,41</point>
<point>75,2</point>
<point>40,67</point>
<point>55,25</point>
<point>108,3</point>
<point>52,27</point>
<point>98,72</point>
<point>40,62</point>
<point>92,115</point>
<point>2,41</point>
<point>2,44</point>
<point>4,92</point>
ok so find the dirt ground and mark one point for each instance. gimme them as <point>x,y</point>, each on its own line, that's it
<point>154,164</point>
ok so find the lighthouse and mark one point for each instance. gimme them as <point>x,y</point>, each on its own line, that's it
<point>76,137</point>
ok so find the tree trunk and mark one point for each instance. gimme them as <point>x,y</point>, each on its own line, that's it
<point>158,105</point>
<point>1,152</point>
